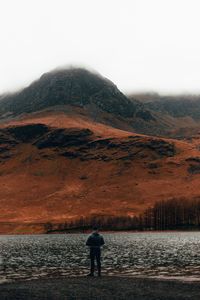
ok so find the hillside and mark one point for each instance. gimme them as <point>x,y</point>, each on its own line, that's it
<point>80,153</point>
<point>56,168</point>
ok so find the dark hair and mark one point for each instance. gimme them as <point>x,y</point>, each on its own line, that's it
<point>95,228</point>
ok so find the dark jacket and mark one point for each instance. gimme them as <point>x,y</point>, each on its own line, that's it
<point>95,240</point>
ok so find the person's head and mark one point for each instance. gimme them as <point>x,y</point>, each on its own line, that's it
<point>95,229</point>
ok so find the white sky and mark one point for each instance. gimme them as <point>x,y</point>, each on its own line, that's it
<point>138,44</point>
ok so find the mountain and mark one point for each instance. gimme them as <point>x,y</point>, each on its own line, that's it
<point>72,145</point>
<point>79,91</point>
<point>77,87</point>
<point>182,110</point>
<point>84,92</point>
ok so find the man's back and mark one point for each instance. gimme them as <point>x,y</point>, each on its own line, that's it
<point>95,240</point>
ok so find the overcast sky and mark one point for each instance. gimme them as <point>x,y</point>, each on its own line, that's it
<point>150,45</point>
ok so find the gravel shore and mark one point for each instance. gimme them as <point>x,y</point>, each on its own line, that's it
<point>105,288</point>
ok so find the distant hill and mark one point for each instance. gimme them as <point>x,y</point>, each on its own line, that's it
<point>176,106</point>
<point>184,110</point>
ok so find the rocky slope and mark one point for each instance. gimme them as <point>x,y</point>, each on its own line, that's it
<point>70,146</point>
<point>56,168</point>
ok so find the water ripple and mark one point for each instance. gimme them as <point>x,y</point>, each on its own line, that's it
<point>163,255</point>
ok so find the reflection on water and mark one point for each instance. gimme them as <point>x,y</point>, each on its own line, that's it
<point>168,254</point>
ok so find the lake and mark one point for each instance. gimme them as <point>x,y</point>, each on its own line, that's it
<point>146,254</point>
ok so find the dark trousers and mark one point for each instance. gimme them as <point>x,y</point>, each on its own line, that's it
<point>95,254</point>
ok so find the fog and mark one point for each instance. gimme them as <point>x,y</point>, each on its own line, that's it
<point>141,45</point>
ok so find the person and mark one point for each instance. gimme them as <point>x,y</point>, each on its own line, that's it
<point>95,241</point>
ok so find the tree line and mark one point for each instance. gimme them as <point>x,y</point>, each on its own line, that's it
<point>163,215</point>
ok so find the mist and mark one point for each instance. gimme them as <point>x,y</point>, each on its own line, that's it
<point>140,45</point>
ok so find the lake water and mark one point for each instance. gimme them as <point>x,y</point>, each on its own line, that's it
<point>152,254</point>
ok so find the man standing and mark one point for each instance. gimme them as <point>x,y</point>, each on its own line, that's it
<point>95,241</point>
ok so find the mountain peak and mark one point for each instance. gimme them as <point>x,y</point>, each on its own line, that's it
<point>72,86</point>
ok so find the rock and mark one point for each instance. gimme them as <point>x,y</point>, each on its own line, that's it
<point>83,177</point>
<point>145,115</point>
<point>152,166</point>
<point>70,154</point>
<point>193,159</point>
<point>64,138</point>
<point>161,147</point>
<point>194,169</point>
<point>27,133</point>
<point>103,143</point>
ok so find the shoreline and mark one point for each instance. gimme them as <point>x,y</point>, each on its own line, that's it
<point>179,279</point>
<point>102,231</point>
<point>106,287</point>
